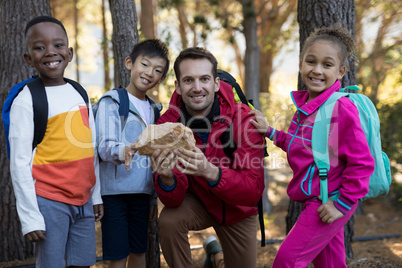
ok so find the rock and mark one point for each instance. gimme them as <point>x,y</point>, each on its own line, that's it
<point>167,135</point>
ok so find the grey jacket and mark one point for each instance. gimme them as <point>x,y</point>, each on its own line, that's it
<point>112,137</point>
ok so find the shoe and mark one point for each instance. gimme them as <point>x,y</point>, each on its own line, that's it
<point>211,247</point>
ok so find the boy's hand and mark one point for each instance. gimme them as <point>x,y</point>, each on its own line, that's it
<point>328,212</point>
<point>153,212</point>
<point>98,211</point>
<point>259,123</point>
<point>129,153</point>
<point>36,236</point>
<point>163,162</point>
<point>196,164</point>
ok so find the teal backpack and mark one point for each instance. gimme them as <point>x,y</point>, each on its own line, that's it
<point>380,180</point>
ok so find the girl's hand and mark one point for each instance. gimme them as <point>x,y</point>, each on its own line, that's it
<point>259,123</point>
<point>328,212</point>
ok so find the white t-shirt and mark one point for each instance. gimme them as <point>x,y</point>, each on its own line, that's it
<point>143,107</point>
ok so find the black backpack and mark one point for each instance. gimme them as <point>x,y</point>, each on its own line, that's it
<point>227,136</point>
<point>39,104</point>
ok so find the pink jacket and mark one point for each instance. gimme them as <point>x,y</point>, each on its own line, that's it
<point>350,158</point>
<point>241,181</point>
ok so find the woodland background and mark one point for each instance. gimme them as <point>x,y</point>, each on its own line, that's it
<point>258,41</point>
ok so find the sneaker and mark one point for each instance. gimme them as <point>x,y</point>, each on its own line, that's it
<point>211,247</point>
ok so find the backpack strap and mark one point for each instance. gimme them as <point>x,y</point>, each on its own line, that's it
<point>40,106</point>
<point>124,105</point>
<point>261,220</point>
<point>227,141</point>
<point>157,108</point>
<point>229,147</point>
<point>40,109</point>
<point>80,90</point>
<point>238,92</point>
<point>319,141</point>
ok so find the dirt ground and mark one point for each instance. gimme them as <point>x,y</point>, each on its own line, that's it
<point>379,219</point>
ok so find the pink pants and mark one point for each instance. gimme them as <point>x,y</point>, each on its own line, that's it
<point>312,240</point>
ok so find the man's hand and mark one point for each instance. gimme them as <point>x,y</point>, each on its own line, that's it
<point>328,212</point>
<point>36,236</point>
<point>98,211</point>
<point>163,162</point>
<point>259,123</point>
<point>196,164</point>
<point>129,152</point>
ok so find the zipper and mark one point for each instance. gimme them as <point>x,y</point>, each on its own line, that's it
<point>223,212</point>
<point>311,168</point>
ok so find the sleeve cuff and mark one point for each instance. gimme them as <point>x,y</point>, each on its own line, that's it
<point>165,187</point>
<point>214,184</point>
<point>343,204</point>
<point>271,133</point>
<point>121,154</point>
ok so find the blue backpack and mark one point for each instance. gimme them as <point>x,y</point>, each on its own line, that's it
<point>123,102</point>
<point>380,180</point>
<point>39,104</point>
<point>124,105</point>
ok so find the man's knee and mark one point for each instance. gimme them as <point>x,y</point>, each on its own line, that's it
<point>169,220</point>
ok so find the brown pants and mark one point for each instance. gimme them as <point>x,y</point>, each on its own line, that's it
<point>238,241</point>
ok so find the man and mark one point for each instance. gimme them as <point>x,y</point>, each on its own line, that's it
<point>205,187</point>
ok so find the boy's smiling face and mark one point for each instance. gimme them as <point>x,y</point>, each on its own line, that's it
<point>48,52</point>
<point>146,73</point>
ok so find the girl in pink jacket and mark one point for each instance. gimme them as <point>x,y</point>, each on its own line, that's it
<point>317,236</point>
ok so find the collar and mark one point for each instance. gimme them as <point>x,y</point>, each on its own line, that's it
<point>299,98</point>
<point>201,124</point>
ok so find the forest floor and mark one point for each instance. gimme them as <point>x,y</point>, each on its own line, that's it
<point>380,218</point>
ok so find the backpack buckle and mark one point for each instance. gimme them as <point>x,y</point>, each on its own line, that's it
<point>323,173</point>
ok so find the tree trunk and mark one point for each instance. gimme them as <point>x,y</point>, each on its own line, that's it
<point>153,255</point>
<point>182,25</point>
<point>125,36</point>
<point>271,35</point>
<point>313,14</point>
<point>148,30</point>
<point>147,19</point>
<point>76,45</point>
<point>13,69</point>
<point>105,51</point>
<point>252,56</point>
